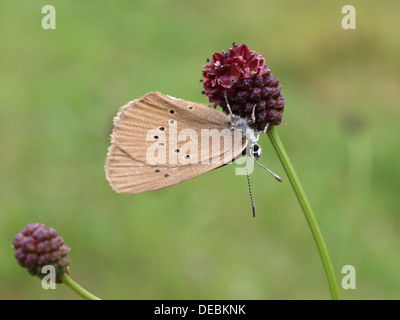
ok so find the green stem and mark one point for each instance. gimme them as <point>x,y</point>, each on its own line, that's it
<point>305,205</point>
<point>66,279</point>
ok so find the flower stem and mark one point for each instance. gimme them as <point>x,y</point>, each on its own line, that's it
<point>66,279</point>
<point>305,205</point>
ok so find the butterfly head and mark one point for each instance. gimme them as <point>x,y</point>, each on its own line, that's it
<point>255,151</point>
<point>237,123</point>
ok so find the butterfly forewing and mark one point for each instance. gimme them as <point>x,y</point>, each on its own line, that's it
<point>158,141</point>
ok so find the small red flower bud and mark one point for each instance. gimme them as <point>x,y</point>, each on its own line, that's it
<point>28,244</point>
<point>17,240</point>
<point>43,247</point>
<point>37,246</point>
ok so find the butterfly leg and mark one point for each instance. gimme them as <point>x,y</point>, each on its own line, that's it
<point>266,127</point>
<point>253,114</point>
<point>228,106</point>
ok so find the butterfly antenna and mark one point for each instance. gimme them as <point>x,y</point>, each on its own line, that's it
<point>251,195</point>
<point>264,167</point>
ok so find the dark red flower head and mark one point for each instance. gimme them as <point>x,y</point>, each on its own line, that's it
<point>252,92</point>
<point>37,246</point>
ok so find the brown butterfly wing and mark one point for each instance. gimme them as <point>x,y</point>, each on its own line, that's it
<point>148,124</point>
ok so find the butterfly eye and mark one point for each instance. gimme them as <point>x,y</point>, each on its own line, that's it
<point>190,107</point>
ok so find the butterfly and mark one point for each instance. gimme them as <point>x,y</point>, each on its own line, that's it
<point>158,141</point>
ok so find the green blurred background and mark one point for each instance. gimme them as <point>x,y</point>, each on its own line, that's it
<point>60,89</point>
